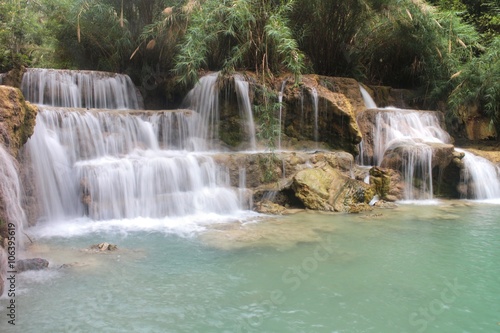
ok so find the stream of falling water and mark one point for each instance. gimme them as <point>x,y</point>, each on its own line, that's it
<point>413,132</point>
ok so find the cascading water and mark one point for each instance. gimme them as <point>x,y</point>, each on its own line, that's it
<point>367,98</point>
<point>10,194</point>
<point>314,96</point>
<point>81,89</point>
<point>204,100</point>
<point>412,133</point>
<point>242,91</point>
<point>114,165</point>
<point>405,126</point>
<point>480,178</point>
<point>280,101</point>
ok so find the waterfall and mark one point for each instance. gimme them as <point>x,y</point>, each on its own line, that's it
<point>85,89</point>
<point>245,196</point>
<point>280,101</point>
<point>398,125</point>
<point>409,132</point>
<point>417,171</point>
<point>10,195</point>
<point>204,100</point>
<point>242,91</point>
<point>2,75</point>
<point>369,102</point>
<point>116,165</point>
<point>314,96</point>
<point>480,178</point>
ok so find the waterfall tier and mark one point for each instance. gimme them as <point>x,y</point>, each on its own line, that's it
<point>480,178</point>
<point>415,143</point>
<point>115,165</point>
<point>81,89</point>
<point>406,139</point>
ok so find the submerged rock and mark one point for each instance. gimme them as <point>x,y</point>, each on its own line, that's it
<point>104,247</point>
<point>34,264</point>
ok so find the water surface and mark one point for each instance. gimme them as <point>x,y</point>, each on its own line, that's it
<point>417,268</point>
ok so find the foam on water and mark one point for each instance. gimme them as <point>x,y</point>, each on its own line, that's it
<point>184,226</point>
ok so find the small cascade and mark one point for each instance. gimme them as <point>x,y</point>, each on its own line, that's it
<point>417,171</point>
<point>314,96</point>
<point>369,102</point>
<point>81,89</point>
<point>280,101</point>
<point>204,100</point>
<point>243,93</point>
<point>412,134</point>
<point>2,75</point>
<point>480,178</point>
<point>245,196</point>
<point>398,125</point>
<point>10,195</point>
<point>409,132</point>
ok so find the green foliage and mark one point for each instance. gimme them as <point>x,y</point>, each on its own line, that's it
<point>21,33</point>
<point>326,31</point>
<point>267,112</point>
<point>478,84</point>
<point>483,14</point>
<point>239,34</point>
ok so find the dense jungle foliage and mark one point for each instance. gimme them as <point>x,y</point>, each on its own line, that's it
<point>448,50</point>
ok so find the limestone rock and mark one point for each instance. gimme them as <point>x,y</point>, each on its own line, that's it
<point>480,128</point>
<point>17,119</point>
<point>269,207</point>
<point>442,155</point>
<point>104,247</point>
<point>329,190</point>
<point>386,183</point>
<point>336,122</point>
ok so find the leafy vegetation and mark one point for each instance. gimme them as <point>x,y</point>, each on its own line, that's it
<point>448,49</point>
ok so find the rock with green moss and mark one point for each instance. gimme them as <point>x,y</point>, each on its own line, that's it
<point>17,119</point>
<point>328,189</point>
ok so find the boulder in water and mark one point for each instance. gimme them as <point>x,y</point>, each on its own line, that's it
<point>104,247</point>
<point>34,264</point>
<point>328,189</point>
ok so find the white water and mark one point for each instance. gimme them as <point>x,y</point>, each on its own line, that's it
<point>369,102</point>
<point>11,193</point>
<point>405,126</point>
<point>481,178</point>
<point>204,100</point>
<point>314,96</point>
<point>280,101</point>
<point>109,165</point>
<point>243,94</point>
<point>410,130</point>
<point>104,168</point>
<point>81,89</point>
